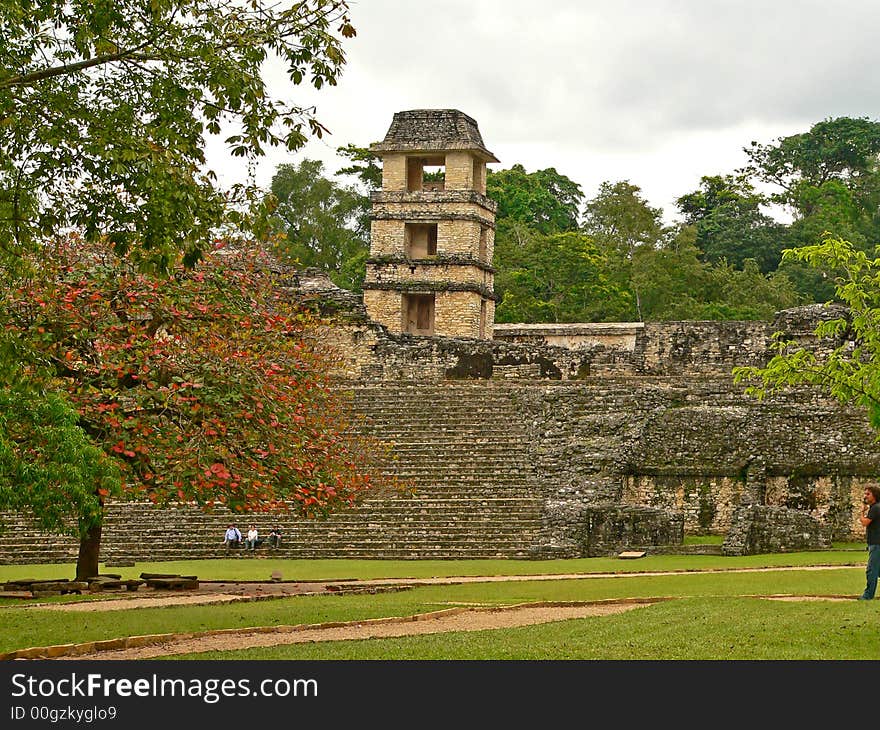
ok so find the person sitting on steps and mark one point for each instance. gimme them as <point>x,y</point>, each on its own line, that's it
<point>253,538</point>
<point>232,538</point>
<point>274,538</point>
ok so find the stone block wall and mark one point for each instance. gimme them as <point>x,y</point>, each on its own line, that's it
<point>394,172</point>
<point>701,448</point>
<point>458,313</point>
<point>455,312</point>
<point>680,348</point>
<point>460,171</point>
<point>412,273</point>
<point>608,529</point>
<point>706,502</point>
<point>386,238</point>
<point>433,205</point>
<point>457,237</point>
<point>617,335</point>
<point>657,348</point>
<point>833,499</point>
<point>764,529</point>
<point>673,348</point>
<point>384,307</point>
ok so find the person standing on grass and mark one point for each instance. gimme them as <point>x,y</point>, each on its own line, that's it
<point>871,520</point>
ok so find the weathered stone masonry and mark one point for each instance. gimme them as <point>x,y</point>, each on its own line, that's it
<point>510,445</point>
<point>530,441</point>
<point>432,241</point>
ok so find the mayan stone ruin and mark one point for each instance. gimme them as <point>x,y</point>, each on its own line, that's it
<point>429,271</point>
<point>532,441</point>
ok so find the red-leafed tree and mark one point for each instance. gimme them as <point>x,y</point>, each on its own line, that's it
<point>206,387</point>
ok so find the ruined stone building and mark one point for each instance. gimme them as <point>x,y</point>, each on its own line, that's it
<point>430,266</point>
<point>534,441</point>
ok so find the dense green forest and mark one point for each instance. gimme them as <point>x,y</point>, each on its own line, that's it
<point>561,257</point>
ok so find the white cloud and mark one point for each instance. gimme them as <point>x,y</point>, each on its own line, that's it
<point>659,92</point>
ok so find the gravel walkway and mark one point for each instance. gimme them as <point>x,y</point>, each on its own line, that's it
<point>469,620</point>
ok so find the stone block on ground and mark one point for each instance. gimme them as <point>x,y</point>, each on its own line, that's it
<point>758,529</point>
<point>608,529</point>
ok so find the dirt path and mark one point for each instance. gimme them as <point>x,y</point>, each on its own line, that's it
<point>206,593</point>
<point>454,619</point>
<point>229,592</point>
<point>474,619</point>
<point>460,618</point>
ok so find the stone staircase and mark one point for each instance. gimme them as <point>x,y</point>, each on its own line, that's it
<point>460,447</point>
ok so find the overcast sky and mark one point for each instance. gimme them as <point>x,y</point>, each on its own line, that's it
<point>657,92</point>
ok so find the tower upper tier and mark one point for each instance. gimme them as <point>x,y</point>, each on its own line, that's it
<point>433,130</point>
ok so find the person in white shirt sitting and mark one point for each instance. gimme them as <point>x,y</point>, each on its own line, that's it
<point>232,537</point>
<point>253,537</point>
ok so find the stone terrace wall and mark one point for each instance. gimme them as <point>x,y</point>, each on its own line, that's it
<point>368,351</point>
<point>607,529</point>
<point>765,529</point>
<point>698,446</point>
<point>500,465</point>
<point>503,441</point>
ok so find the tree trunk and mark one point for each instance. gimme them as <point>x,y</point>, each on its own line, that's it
<point>89,547</point>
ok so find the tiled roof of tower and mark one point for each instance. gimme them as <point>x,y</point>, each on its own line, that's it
<point>433,130</point>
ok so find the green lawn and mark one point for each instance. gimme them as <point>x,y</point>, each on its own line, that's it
<point>691,628</point>
<point>717,616</point>
<point>247,568</point>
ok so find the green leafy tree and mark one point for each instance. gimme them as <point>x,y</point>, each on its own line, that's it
<point>828,177</point>
<point>849,374</point>
<point>49,468</point>
<point>674,283</point>
<point>545,201</point>
<point>747,293</point>
<point>364,166</point>
<point>320,222</point>
<point>843,149</point>
<point>726,213</point>
<point>562,277</point>
<point>104,109</point>
<point>671,281</point>
<point>206,388</point>
<point>620,218</point>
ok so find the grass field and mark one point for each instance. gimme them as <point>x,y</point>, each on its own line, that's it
<point>692,628</point>
<point>716,616</point>
<point>260,568</point>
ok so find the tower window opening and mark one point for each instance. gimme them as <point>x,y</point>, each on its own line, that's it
<point>425,173</point>
<point>418,314</point>
<point>420,240</point>
<point>479,176</point>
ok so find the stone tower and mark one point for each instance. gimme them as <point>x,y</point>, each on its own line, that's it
<point>433,228</point>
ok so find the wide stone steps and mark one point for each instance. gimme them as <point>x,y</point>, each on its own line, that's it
<point>451,435</point>
<point>462,447</point>
<point>469,461</point>
<point>465,477</point>
<point>380,550</point>
<point>332,525</point>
